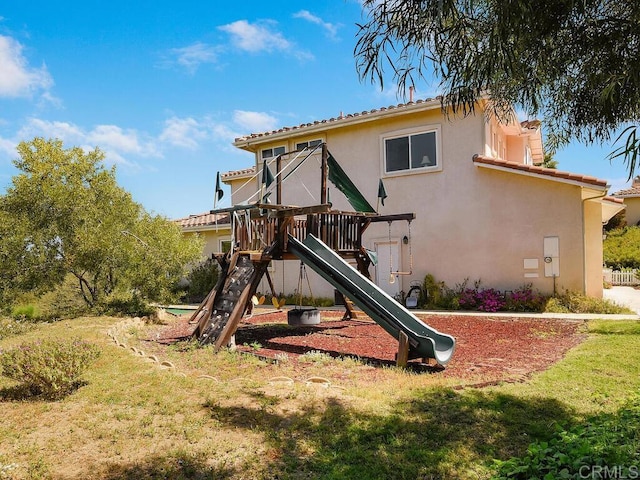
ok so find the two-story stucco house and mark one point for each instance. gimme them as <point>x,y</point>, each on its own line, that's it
<point>483,209</point>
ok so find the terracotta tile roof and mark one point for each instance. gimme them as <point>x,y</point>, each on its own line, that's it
<point>634,191</point>
<point>542,171</point>
<point>619,201</point>
<point>203,220</point>
<point>342,118</point>
<point>237,173</point>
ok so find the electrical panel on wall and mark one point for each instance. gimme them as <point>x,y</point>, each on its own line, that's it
<point>551,257</point>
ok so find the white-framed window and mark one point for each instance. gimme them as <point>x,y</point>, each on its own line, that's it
<point>528,157</point>
<point>412,151</point>
<point>273,152</point>
<point>310,144</point>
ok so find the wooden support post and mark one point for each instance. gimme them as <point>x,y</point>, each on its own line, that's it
<point>278,182</point>
<point>273,290</point>
<point>324,174</point>
<point>402,357</point>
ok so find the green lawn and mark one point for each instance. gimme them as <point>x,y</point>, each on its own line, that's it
<point>135,419</point>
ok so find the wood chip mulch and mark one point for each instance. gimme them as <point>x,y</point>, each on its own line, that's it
<point>488,348</point>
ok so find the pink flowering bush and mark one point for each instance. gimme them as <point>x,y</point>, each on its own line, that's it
<point>525,299</point>
<point>484,300</point>
<point>462,296</point>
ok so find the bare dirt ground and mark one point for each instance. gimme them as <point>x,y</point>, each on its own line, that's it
<point>490,348</point>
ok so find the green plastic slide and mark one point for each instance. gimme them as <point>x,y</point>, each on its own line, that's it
<point>424,341</point>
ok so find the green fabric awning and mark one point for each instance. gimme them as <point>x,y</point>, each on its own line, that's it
<point>339,178</point>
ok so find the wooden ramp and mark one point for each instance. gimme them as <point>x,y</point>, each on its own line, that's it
<point>220,313</point>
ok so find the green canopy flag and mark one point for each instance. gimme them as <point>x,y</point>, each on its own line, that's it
<point>267,176</point>
<point>339,178</point>
<point>219,193</point>
<point>382,193</point>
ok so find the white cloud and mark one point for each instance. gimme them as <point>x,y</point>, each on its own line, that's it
<point>258,37</point>
<point>192,56</point>
<point>254,121</point>
<point>224,133</point>
<point>330,28</point>
<point>65,131</point>
<point>18,79</point>
<point>183,132</point>
<point>255,37</point>
<point>8,146</point>
<point>117,139</point>
<point>114,141</point>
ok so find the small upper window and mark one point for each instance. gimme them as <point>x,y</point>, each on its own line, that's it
<point>311,144</point>
<point>417,151</point>
<point>225,246</point>
<point>273,152</point>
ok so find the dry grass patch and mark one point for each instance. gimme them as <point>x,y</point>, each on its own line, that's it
<point>136,420</point>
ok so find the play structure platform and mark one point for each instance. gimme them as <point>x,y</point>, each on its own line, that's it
<point>322,239</point>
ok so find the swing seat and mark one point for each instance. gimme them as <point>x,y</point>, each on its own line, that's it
<point>303,316</point>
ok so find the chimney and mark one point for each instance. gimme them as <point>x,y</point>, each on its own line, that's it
<point>636,182</point>
<point>411,88</point>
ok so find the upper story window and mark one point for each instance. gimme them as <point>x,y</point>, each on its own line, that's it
<point>412,152</point>
<point>273,152</point>
<point>311,144</point>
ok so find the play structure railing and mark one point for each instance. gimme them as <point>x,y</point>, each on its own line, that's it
<point>341,231</point>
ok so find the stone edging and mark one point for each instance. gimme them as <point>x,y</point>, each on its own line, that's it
<point>115,331</point>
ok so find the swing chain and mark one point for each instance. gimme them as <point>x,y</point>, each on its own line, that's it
<point>303,274</point>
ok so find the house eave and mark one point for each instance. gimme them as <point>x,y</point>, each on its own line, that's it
<point>250,142</point>
<point>206,228</point>
<point>541,173</point>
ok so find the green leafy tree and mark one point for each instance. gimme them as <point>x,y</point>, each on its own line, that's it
<point>549,161</point>
<point>621,248</point>
<point>619,220</point>
<point>64,213</point>
<point>576,63</point>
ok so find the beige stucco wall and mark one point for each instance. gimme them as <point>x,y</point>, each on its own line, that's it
<point>241,189</point>
<point>632,212</point>
<point>471,222</point>
<point>212,240</point>
<point>594,254</point>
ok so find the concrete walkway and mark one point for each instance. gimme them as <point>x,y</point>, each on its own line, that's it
<point>626,296</point>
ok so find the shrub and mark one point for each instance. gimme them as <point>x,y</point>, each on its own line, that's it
<point>50,368</point>
<point>482,299</point>
<point>525,299</point>
<point>125,303</point>
<point>64,301</point>
<point>201,280</point>
<point>10,327</point>
<point>28,312</point>
<point>575,302</point>
<point>609,441</point>
<point>432,290</point>
<point>621,248</point>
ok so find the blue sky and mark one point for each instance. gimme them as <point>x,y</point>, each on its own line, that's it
<point>164,87</point>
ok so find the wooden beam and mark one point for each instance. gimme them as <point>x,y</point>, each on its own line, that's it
<point>292,211</point>
<point>393,218</point>
<point>402,356</point>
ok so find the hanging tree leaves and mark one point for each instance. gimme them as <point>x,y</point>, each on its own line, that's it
<point>576,63</point>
